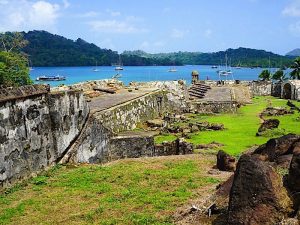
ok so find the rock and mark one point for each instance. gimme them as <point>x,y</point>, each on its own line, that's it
<point>278,146</point>
<point>203,125</point>
<point>216,126</point>
<point>225,162</point>
<point>92,94</point>
<point>293,179</point>
<point>268,125</point>
<point>186,132</point>
<point>173,129</point>
<point>185,147</point>
<point>214,172</point>
<point>194,129</point>
<point>290,221</point>
<point>284,161</point>
<point>276,111</point>
<point>155,123</point>
<point>257,195</point>
<point>212,145</point>
<point>296,147</point>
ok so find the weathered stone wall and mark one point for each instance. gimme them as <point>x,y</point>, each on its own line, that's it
<point>214,107</point>
<point>35,130</point>
<point>68,113</point>
<point>290,90</point>
<point>126,116</point>
<point>132,146</point>
<point>261,88</point>
<point>177,92</point>
<point>93,144</point>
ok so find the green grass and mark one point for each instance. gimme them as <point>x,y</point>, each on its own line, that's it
<point>126,192</point>
<point>241,128</point>
<point>165,137</point>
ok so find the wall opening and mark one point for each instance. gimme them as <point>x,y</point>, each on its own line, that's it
<point>287,91</point>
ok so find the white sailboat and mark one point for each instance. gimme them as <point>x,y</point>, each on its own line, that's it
<point>96,68</point>
<point>227,72</point>
<point>173,69</point>
<point>119,66</point>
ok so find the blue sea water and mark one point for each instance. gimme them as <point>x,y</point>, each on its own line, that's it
<point>138,73</point>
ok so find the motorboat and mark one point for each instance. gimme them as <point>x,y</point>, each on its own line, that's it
<point>50,78</point>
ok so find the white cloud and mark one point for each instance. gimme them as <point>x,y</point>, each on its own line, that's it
<point>113,13</point>
<point>207,33</point>
<point>178,34</point>
<point>293,9</point>
<point>17,15</point>
<point>114,26</point>
<point>295,29</point>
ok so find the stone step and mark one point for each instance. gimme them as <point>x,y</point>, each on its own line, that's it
<point>196,92</point>
<point>197,96</point>
<point>198,89</point>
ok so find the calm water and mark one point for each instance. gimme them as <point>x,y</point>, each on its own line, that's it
<point>135,73</point>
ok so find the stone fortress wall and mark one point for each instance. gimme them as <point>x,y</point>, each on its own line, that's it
<point>39,128</point>
<point>36,128</point>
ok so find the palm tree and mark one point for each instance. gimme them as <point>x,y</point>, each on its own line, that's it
<point>295,74</point>
<point>278,75</point>
<point>265,75</point>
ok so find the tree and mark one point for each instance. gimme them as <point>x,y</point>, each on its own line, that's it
<point>12,41</point>
<point>265,75</point>
<point>295,74</point>
<point>14,69</point>
<point>278,75</point>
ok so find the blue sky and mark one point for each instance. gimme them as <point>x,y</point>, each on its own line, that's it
<point>162,25</point>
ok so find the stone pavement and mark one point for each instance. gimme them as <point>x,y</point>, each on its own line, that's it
<point>107,101</point>
<point>218,94</point>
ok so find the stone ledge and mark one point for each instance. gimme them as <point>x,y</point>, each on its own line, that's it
<point>8,94</point>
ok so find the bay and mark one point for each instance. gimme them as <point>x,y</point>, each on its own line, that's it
<point>138,73</point>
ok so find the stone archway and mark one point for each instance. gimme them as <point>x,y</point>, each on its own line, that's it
<point>287,91</point>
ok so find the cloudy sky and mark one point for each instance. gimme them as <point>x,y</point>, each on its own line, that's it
<point>162,25</point>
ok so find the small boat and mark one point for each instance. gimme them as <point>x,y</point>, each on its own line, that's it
<point>172,70</point>
<point>238,67</point>
<point>214,67</point>
<point>119,66</point>
<point>51,78</point>
<point>96,68</point>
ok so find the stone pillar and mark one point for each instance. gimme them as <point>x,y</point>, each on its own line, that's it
<point>195,76</point>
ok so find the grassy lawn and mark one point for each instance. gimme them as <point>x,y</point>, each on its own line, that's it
<point>166,137</point>
<point>242,127</point>
<point>136,191</point>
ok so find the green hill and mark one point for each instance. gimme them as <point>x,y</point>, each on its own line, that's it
<point>236,57</point>
<point>294,53</point>
<point>46,49</point>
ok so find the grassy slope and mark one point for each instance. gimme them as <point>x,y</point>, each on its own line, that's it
<point>143,191</point>
<point>242,127</point>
